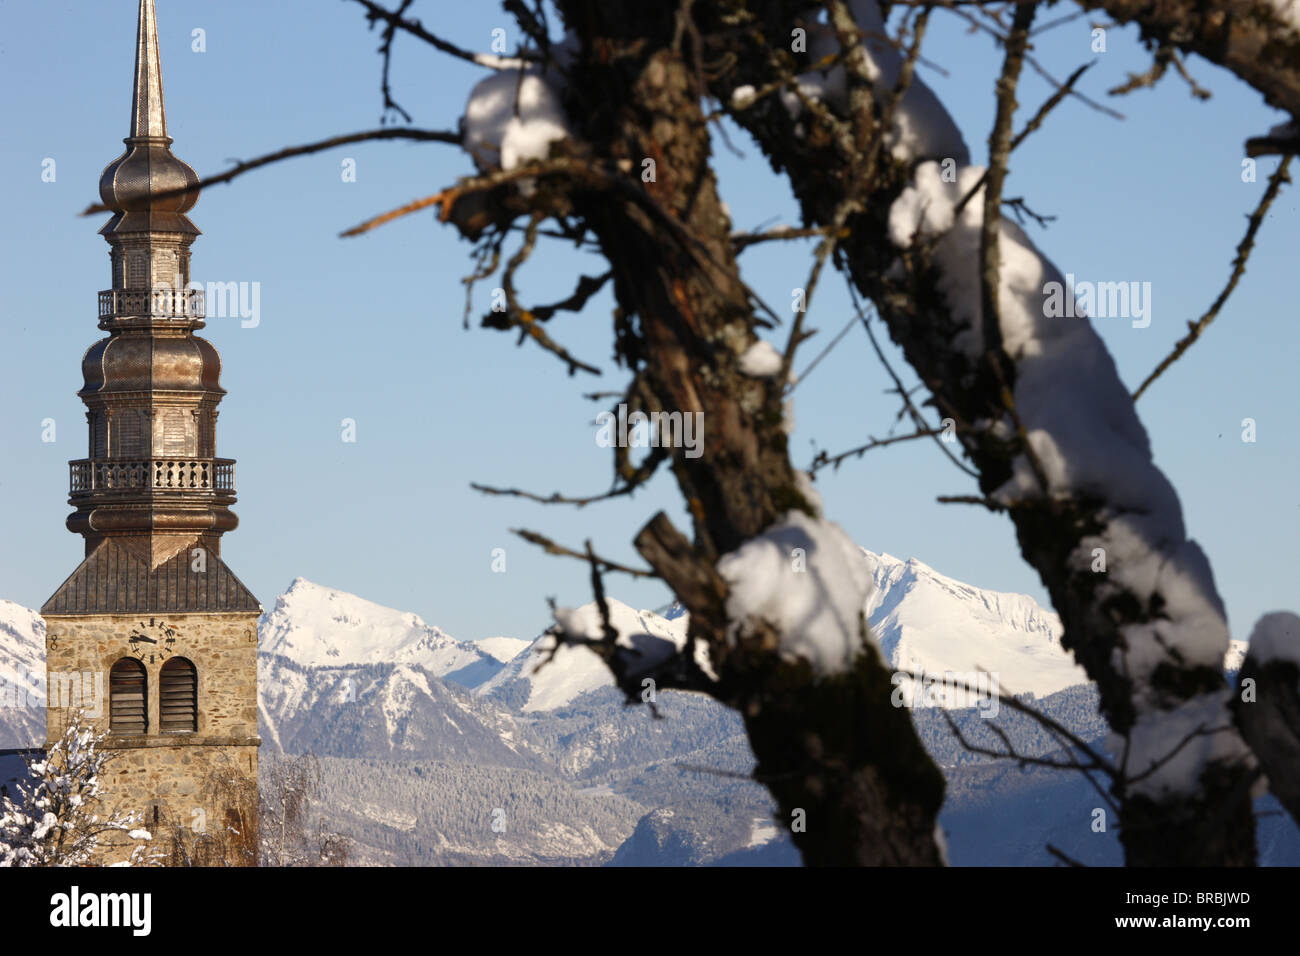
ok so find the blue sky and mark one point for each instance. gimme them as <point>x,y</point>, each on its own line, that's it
<point>370,328</point>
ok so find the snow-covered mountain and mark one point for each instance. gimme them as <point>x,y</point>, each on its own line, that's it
<point>928,622</point>
<point>386,710</point>
<point>415,763</point>
<point>555,678</point>
<point>924,621</point>
<point>320,646</point>
<point>317,626</point>
<point>22,676</point>
<point>504,649</point>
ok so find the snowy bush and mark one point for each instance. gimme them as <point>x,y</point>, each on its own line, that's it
<point>53,822</point>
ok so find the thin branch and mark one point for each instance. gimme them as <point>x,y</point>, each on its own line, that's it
<point>1031,127</point>
<point>1033,63</point>
<point>550,547</point>
<point>1050,104</point>
<point>587,287</point>
<point>1194,329</point>
<point>1021,211</point>
<point>802,377</point>
<point>1016,704</point>
<point>912,410</point>
<point>823,460</point>
<point>993,504</point>
<point>415,28</point>
<point>386,51</point>
<point>415,205</point>
<point>631,484</point>
<point>1276,143</point>
<point>422,135</point>
<point>1150,77</point>
<point>448,197</point>
<point>999,362</point>
<point>743,240</point>
<point>1067,860</point>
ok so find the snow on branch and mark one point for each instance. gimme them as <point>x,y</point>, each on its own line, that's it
<point>1084,443</point>
<point>1268,704</point>
<point>805,576</point>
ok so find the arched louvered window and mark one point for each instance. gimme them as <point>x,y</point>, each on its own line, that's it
<point>178,697</point>
<point>128,697</point>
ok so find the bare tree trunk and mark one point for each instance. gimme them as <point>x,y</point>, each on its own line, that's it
<point>844,765</point>
<point>905,285</point>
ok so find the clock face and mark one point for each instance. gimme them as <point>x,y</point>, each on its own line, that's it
<point>153,640</point>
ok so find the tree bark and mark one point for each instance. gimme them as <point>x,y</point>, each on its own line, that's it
<point>905,289</point>
<point>846,767</point>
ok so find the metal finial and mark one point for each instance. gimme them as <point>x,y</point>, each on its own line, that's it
<point>148,117</point>
<point>148,168</point>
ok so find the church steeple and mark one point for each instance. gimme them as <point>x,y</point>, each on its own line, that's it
<point>147,187</point>
<point>152,639</point>
<point>151,482</point>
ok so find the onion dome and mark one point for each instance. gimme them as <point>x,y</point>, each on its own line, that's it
<point>148,169</point>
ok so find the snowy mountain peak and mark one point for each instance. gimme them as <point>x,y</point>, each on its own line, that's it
<point>927,621</point>
<point>504,649</point>
<point>556,681</point>
<point>317,626</point>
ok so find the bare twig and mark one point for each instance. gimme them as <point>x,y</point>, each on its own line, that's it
<point>421,135</point>
<point>550,547</point>
<point>1067,860</point>
<point>631,483</point>
<point>912,410</point>
<point>825,352</point>
<point>999,362</point>
<point>1034,64</point>
<point>823,460</point>
<point>743,240</point>
<point>1194,329</point>
<point>1031,127</point>
<point>386,51</point>
<point>375,13</point>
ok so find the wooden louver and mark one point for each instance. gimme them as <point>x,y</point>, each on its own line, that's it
<point>127,697</point>
<point>178,707</point>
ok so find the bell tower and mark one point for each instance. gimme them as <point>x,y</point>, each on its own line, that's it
<point>153,636</point>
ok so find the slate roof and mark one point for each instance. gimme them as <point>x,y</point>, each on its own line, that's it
<point>115,580</point>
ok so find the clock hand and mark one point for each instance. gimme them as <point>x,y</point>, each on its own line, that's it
<point>141,639</point>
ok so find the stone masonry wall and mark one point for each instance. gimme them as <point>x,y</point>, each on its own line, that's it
<point>166,777</point>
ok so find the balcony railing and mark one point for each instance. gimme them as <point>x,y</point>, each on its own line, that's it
<point>193,475</point>
<point>185,304</point>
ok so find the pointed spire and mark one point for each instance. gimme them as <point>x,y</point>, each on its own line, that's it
<point>148,118</point>
<point>148,168</point>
